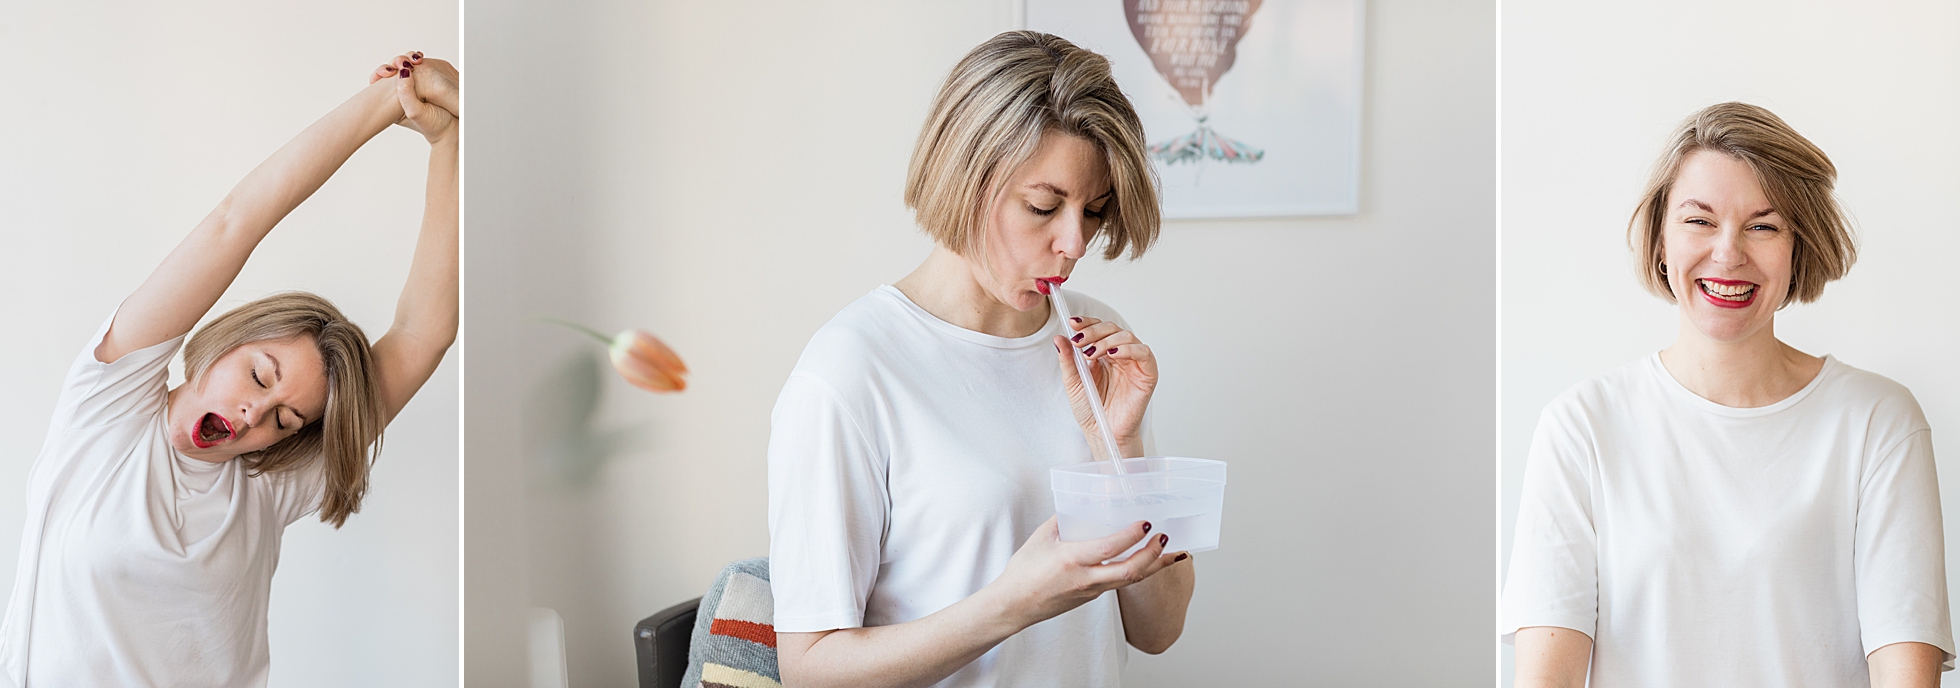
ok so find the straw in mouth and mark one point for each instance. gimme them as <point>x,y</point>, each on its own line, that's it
<point>1089,386</point>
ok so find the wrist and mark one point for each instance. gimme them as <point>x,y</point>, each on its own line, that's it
<point>1000,614</point>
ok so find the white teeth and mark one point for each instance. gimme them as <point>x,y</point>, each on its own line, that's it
<point>1727,292</point>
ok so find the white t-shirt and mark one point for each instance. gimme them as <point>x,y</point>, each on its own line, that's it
<point>140,566</point>
<point>1702,545</point>
<point>908,460</point>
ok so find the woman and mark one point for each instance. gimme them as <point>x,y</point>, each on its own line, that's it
<point>1732,511</point>
<point>155,514</point>
<point>912,537</point>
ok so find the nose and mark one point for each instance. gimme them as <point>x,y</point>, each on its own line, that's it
<point>1727,251</point>
<point>250,415</point>
<point>1073,239</point>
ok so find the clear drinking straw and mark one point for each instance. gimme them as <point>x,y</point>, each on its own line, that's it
<point>1089,387</point>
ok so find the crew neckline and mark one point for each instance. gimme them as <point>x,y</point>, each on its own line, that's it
<point>1703,403</point>
<point>1039,337</point>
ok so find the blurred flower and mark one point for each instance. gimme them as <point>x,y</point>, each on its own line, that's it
<point>646,362</point>
<point>640,358</point>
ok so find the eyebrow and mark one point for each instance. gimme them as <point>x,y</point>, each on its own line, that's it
<point>1704,207</point>
<point>1051,188</point>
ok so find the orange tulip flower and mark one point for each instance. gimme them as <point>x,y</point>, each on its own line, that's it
<point>640,358</point>
<point>647,363</point>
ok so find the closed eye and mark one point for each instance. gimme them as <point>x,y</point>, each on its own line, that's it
<point>1044,212</point>
<point>255,378</point>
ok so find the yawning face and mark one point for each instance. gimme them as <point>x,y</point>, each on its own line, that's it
<point>1728,252</point>
<point>249,399</point>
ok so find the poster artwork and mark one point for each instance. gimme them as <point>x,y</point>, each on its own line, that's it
<point>1192,43</point>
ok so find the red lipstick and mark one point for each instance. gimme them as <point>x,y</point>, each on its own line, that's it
<point>1042,284</point>
<point>221,424</point>
<point>1719,302</point>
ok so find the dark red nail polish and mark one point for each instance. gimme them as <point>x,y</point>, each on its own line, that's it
<point>405,64</point>
<point>1091,351</point>
<point>1181,557</point>
<point>1076,319</point>
<point>1076,338</point>
<point>415,55</point>
<point>1146,527</point>
<point>1163,540</point>
<point>1111,351</point>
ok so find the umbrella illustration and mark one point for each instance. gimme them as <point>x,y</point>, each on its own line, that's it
<point>1192,44</point>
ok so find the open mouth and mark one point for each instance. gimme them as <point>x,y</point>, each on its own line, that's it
<point>212,430</point>
<point>1727,293</point>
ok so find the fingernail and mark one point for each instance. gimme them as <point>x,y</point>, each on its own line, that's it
<point>1146,527</point>
<point>1091,351</point>
<point>405,64</point>
<point>417,55</point>
<point>404,72</point>
<point>1181,557</point>
<point>1164,539</point>
<point>1076,338</point>
<point>1076,319</point>
<point>1111,351</point>
<point>1058,348</point>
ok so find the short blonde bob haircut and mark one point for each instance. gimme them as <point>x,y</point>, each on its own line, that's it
<point>348,436</point>
<point>990,116</point>
<point>1795,175</point>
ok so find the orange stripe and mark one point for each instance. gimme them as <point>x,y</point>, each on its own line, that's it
<point>763,634</point>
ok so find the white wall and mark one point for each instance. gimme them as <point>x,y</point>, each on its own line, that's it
<point>121,125</point>
<point>1590,93</point>
<point>728,175</point>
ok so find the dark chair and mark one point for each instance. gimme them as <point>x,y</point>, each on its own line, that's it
<point>661,642</point>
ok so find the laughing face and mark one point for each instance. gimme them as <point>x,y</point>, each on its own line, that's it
<point>1728,253</point>
<point>1042,224</point>
<point>249,399</point>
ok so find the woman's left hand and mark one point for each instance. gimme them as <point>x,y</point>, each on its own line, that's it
<point>1126,375</point>
<point>429,91</point>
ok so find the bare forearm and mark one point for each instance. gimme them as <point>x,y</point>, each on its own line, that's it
<point>915,653</point>
<point>195,274</point>
<point>1906,665</point>
<point>1154,610</point>
<point>292,174</point>
<point>1552,657</point>
<point>426,314</point>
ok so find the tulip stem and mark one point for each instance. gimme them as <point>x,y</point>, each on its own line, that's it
<point>581,328</point>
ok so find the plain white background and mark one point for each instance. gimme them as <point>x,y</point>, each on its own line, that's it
<point>121,125</point>
<point>1590,94</point>
<point>729,175</point>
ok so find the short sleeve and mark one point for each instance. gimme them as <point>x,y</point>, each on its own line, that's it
<point>1900,552</point>
<point>1554,576</point>
<point>828,506</point>
<point>296,493</point>
<point>136,385</point>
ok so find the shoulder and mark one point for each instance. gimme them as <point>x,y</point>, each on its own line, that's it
<point>1597,396</point>
<point>852,342</point>
<point>1861,392</point>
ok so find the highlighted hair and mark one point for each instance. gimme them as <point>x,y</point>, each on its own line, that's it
<point>990,116</point>
<point>1795,176</point>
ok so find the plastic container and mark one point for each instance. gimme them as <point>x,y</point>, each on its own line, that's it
<point>1182,498</point>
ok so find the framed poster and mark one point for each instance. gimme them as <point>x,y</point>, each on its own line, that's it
<point>1251,108</point>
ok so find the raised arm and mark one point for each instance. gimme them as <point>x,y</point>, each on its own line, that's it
<point>426,314</point>
<point>202,267</point>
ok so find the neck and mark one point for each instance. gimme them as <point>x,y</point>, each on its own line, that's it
<point>1755,371</point>
<point>950,287</point>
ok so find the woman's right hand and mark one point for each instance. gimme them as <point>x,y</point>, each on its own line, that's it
<point>1047,576</point>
